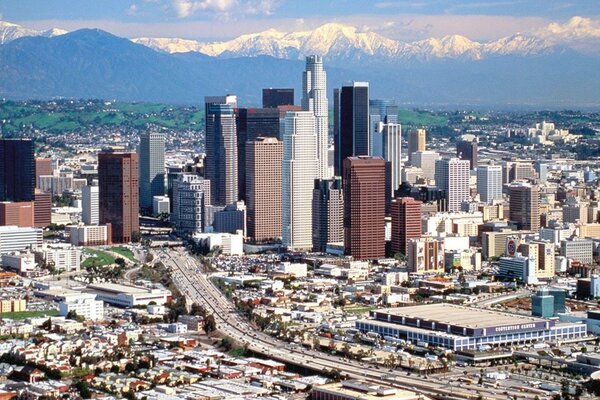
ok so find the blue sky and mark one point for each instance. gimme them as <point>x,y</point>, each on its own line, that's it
<point>221,19</point>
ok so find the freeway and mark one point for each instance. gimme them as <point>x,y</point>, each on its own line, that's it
<point>196,287</point>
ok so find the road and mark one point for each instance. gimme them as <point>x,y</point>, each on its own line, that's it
<point>196,287</point>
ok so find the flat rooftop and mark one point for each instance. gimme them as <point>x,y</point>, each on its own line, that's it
<point>459,316</point>
<point>116,288</point>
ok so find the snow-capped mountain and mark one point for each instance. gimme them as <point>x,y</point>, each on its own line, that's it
<point>343,42</point>
<point>10,32</point>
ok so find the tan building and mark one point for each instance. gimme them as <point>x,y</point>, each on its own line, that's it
<point>589,230</point>
<point>525,205</point>
<point>19,213</point>
<point>13,305</point>
<point>416,142</point>
<point>494,243</point>
<point>426,256</point>
<point>492,212</point>
<point>90,235</point>
<point>43,166</point>
<point>543,253</point>
<point>264,158</point>
<point>351,389</point>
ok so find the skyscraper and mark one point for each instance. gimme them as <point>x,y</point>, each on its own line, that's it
<point>364,207</point>
<point>151,154</point>
<point>17,170</point>
<point>382,112</point>
<point>264,157</point>
<point>275,97</point>
<point>489,182</point>
<point>416,142</point>
<point>466,149</point>
<point>525,205</point>
<point>328,213</point>
<point>452,175</point>
<point>118,200</point>
<point>392,154</point>
<point>314,99</point>
<point>221,162</point>
<point>300,169</point>
<point>191,195</point>
<point>406,223</point>
<point>43,166</point>
<point>352,137</point>
<point>89,202</point>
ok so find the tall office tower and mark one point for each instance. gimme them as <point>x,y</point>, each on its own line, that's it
<point>275,97</point>
<point>118,193</point>
<point>151,154</point>
<point>250,124</point>
<point>426,161</point>
<point>466,149</point>
<point>328,213</point>
<point>452,175</point>
<point>43,166</point>
<point>525,205</point>
<point>263,188</point>
<point>173,171</point>
<point>392,154</point>
<point>300,169</point>
<point>314,99</point>
<point>406,223</point>
<point>353,136</point>
<point>19,214</point>
<point>42,214</point>
<point>364,207</point>
<point>191,194</point>
<point>221,164</point>
<point>416,142</point>
<point>89,204</point>
<point>17,170</point>
<point>489,182</point>
<point>382,112</point>
<point>516,171</point>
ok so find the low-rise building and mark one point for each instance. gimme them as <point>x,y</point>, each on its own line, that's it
<point>128,296</point>
<point>90,235</point>
<point>84,304</point>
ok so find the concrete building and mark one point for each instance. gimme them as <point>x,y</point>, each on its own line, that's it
<point>90,235</point>
<point>221,164</point>
<point>84,304</point>
<point>42,213</point>
<point>525,205</point>
<point>128,296</point>
<point>406,223</point>
<point>151,155</point>
<point>21,214</point>
<point>14,239</point>
<point>118,194</point>
<point>543,254</point>
<point>489,183</point>
<point>425,160</point>
<point>351,389</point>
<point>299,170</point>
<point>327,213</point>
<point>191,196</point>
<point>466,149</point>
<point>426,256</point>
<point>314,99</point>
<point>364,207</point>
<point>577,249</point>
<point>574,211</point>
<point>21,263</point>
<point>63,259</point>
<point>392,154</point>
<point>264,158</point>
<point>231,219</point>
<point>229,244</point>
<point>161,205</point>
<point>90,204</point>
<point>43,166</point>
<point>452,175</point>
<point>518,267</point>
<point>416,142</point>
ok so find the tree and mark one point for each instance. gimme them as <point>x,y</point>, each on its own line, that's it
<point>210,325</point>
<point>115,369</point>
<point>136,236</point>
<point>47,325</point>
<point>84,389</point>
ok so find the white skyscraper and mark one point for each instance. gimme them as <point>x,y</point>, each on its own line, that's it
<point>191,195</point>
<point>90,205</point>
<point>392,145</point>
<point>299,171</point>
<point>489,182</point>
<point>314,99</point>
<point>151,155</point>
<point>452,175</point>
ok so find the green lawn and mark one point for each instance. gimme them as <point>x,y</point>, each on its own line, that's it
<point>28,314</point>
<point>124,251</point>
<point>421,118</point>
<point>99,257</point>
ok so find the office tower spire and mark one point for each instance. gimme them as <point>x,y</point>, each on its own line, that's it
<point>314,99</point>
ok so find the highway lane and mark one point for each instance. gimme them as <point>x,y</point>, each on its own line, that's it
<point>197,288</point>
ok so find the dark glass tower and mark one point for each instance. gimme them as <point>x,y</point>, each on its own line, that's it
<point>275,97</point>
<point>17,170</point>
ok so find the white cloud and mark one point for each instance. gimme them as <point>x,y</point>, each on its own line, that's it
<point>580,33</point>
<point>132,9</point>
<point>224,8</point>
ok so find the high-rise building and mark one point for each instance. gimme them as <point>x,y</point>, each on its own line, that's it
<point>452,175</point>
<point>416,142</point>
<point>42,202</point>
<point>426,161</point>
<point>43,166</point>
<point>275,97</point>
<point>90,205</point>
<point>525,205</point>
<point>466,149</point>
<point>352,137</point>
<point>191,195</point>
<point>314,99</point>
<point>118,193</point>
<point>300,169</point>
<point>364,207</point>
<point>231,219</point>
<point>382,112</point>
<point>392,154</point>
<point>406,223</point>
<point>151,154</point>
<point>328,213</point>
<point>17,170</point>
<point>19,214</point>
<point>221,164</point>
<point>264,157</point>
<point>489,182</point>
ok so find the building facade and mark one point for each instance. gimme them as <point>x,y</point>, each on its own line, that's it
<point>452,175</point>
<point>406,223</point>
<point>17,170</point>
<point>191,196</point>
<point>416,142</point>
<point>90,204</point>
<point>489,183</point>
<point>328,213</point>
<point>151,156</point>
<point>525,205</point>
